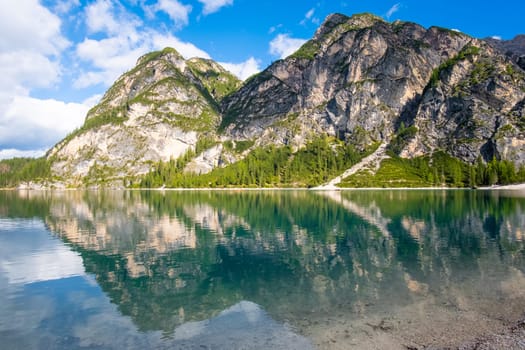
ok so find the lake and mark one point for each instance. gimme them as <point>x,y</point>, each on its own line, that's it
<point>258,269</point>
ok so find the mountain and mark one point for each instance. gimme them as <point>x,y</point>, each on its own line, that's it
<point>514,48</point>
<point>397,88</point>
<point>359,78</point>
<point>511,47</point>
<point>157,111</point>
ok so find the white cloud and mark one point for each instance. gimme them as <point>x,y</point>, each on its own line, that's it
<point>64,6</point>
<point>31,47</point>
<point>211,6</point>
<point>92,100</point>
<point>392,10</point>
<point>187,50</point>
<point>27,25</point>
<point>309,14</point>
<point>244,69</point>
<point>16,153</point>
<point>87,79</point>
<point>274,28</point>
<point>32,124</point>
<point>126,41</point>
<point>178,12</point>
<point>99,17</point>
<point>113,56</point>
<point>283,46</point>
<point>103,16</point>
<point>496,37</point>
<point>22,70</point>
<point>110,57</point>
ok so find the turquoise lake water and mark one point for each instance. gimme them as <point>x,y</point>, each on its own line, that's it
<point>257,269</point>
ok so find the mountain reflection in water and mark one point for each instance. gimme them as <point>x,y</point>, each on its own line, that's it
<point>175,261</point>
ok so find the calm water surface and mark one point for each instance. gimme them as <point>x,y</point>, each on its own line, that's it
<point>257,270</point>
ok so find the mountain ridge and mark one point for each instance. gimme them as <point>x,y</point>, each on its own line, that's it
<point>431,54</point>
<point>359,82</point>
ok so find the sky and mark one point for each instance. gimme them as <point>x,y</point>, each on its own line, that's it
<point>58,57</point>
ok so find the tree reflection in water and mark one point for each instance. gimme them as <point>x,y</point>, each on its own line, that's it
<point>168,258</point>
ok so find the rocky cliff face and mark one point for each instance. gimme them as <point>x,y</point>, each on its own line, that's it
<point>474,107</point>
<point>354,79</point>
<point>156,111</point>
<point>515,48</point>
<point>359,79</point>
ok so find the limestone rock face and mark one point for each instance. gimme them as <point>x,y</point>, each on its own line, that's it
<point>514,46</point>
<point>361,78</point>
<point>475,108</point>
<point>514,49</point>
<point>206,161</point>
<point>157,111</point>
<point>355,78</point>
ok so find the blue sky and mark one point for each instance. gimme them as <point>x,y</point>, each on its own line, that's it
<point>57,57</point>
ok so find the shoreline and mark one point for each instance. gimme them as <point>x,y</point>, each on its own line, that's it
<point>510,337</point>
<point>513,187</point>
<point>504,187</point>
<point>424,327</point>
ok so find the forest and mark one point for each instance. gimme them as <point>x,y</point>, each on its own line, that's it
<point>318,162</point>
<point>324,158</point>
<point>438,170</point>
<point>271,166</point>
<point>16,170</point>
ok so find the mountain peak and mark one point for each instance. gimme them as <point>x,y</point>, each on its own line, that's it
<point>168,53</point>
<point>365,19</point>
<point>356,21</point>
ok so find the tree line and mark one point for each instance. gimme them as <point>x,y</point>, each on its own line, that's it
<point>324,158</point>
<point>16,170</point>
<point>319,161</point>
<point>438,170</point>
<point>271,166</point>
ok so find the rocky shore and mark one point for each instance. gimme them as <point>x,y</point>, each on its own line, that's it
<point>512,338</point>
